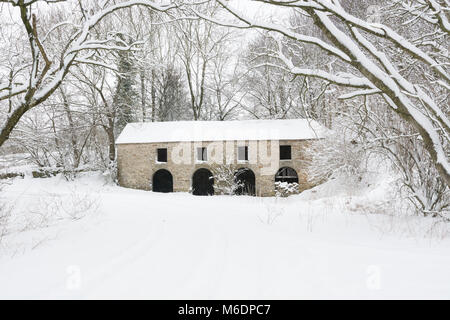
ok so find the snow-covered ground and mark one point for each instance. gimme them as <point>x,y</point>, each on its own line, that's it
<point>88,239</point>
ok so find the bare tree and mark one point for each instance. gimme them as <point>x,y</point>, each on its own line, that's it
<point>227,85</point>
<point>201,42</point>
<point>394,139</point>
<point>96,87</point>
<point>276,93</point>
<point>38,72</point>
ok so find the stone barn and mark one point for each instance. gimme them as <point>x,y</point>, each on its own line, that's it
<point>201,156</point>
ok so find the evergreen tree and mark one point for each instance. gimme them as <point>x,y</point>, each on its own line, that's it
<point>126,96</point>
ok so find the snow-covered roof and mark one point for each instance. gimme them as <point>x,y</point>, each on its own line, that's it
<point>183,131</point>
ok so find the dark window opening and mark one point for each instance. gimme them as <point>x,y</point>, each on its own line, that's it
<point>202,154</point>
<point>162,155</point>
<point>286,174</point>
<point>285,152</point>
<point>243,153</point>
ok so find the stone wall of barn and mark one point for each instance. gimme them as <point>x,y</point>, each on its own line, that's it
<point>138,162</point>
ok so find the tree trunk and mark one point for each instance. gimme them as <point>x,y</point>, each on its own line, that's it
<point>153,93</point>
<point>73,137</point>
<point>143,95</point>
<point>12,121</point>
<point>111,139</point>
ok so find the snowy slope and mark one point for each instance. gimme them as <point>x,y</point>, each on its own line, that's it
<point>138,244</point>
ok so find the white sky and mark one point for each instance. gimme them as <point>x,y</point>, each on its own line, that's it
<point>257,9</point>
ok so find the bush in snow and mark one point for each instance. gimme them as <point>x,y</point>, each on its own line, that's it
<point>419,180</point>
<point>396,142</point>
<point>225,182</point>
<point>285,189</point>
<point>5,215</point>
<point>110,172</point>
<point>336,156</point>
<point>54,207</point>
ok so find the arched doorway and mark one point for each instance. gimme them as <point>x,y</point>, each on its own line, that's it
<point>162,181</point>
<point>286,174</point>
<point>202,183</point>
<point>246,180</point>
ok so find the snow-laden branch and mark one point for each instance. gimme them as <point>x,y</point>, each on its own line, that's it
<point>387,85</point>
<point>12,92</point>
<point>28,2</point>
<point>98,46</point>
<point>381,30</point>
<point>96,63</point>
<point>358,93</point>
<point>342,79</point>
<point>440,15</point>
<point>373,28</point>
<point>251,23</point>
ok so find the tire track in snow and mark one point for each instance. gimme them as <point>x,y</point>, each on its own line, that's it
<point>104,273</point>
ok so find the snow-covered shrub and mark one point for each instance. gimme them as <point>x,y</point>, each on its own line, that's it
<point>224,179</point>
<point>399,219</point>
<point>59,138</point>
<point>285,189</point>
<point>53,207</point>
<point>5,216</point>
<point>392,140</point>
<point>110,172</point>
<point>272,211</point>
<point>419,180</point>
<point>78,205</point>
<point>336,157</point>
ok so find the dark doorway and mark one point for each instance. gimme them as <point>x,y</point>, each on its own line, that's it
<point>246,178</point>
<point>162,181</point>
<point>286,174</point>
<point>202,183</point>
